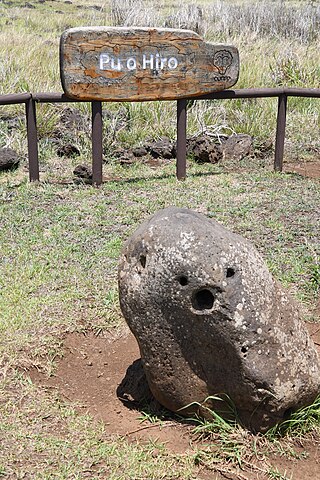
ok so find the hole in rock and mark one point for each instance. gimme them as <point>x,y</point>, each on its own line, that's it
<point>244,349</point>
<point>203,299</point>
<point>230,272</point>
<point>183,280</point>
<point>287,414</point>
<point>143,260</point>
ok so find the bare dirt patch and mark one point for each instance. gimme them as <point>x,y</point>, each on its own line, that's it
<point>103,376</point>
<point>93,375</point>
<point>306,169</point>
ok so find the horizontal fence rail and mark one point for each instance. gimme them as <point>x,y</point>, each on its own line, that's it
<point>14,98</point>
<point>30,101</point>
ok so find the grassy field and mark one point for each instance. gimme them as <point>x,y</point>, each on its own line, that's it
<point>60,242</point>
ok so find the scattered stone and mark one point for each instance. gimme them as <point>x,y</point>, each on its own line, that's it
<point>204,150</point>
<point>124,157</point>
<point>162,148</point>
<point>83,172</point>
<point>237,146</point>
<point>262,148</point>
<point>68,150</point>
<point>210,319</point>
<point>9,159</point>
<point>139,152</point>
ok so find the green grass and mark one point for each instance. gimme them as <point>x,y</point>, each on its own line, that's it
<point>49,440</point>
<point>300,422</point>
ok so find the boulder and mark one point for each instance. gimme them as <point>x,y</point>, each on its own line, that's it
<point>210,320</point>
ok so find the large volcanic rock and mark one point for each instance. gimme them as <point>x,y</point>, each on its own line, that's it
<point>210,319</point>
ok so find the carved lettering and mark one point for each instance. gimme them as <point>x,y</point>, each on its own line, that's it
<point>148,61</point>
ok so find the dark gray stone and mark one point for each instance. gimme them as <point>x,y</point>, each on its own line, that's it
<point>204,150</point>
<point>162,148</point>
<point>125,157</point>
<point>9,159</point>
<point>139,152</point>
<point>210,319</point>
<point>68,150</point>
<point>237,147</point>
<point>83,172</point>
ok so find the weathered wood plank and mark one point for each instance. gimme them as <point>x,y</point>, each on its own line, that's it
<point>136,64</point>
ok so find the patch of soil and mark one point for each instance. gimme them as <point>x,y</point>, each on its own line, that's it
<point>306,169</point>
<point>103,376</point>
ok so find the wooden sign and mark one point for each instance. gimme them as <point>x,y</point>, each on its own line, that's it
<point>136,64</point>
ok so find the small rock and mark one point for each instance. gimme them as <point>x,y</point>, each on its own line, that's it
<point>204,150</point>
<point>163,148</point>
<point>236,147</point>
<point>139,152</point>
<point>68,150</point>
<point>9,159</point>
<point>127,159</point>
<point>83,171</point>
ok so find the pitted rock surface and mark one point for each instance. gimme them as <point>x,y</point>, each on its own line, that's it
<point>210,319</point>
